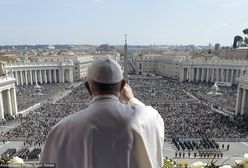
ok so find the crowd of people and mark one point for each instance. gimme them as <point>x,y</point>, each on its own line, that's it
<point>39,122</point>
<point>226,99</point>
<point>29,95</point>
<point>183,116</point>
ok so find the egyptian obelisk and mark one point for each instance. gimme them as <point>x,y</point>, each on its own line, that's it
<point>125,60</point>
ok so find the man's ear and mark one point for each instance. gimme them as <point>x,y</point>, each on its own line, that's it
<point>123,83</point>
<point>87,85</point>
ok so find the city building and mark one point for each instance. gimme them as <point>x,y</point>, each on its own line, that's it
<point>81,66</point>
<point>240,53</point>
<point>147,63</point>
<point>8,57</point>
<point>114,55</point>
<point>217,47</point>
<point>160,64</point>
<point>169,66</point>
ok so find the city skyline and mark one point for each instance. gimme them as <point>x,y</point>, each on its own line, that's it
<point>161,22</point>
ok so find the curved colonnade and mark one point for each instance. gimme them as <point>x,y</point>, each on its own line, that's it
<point>213,70</point>
<point>41,73</point>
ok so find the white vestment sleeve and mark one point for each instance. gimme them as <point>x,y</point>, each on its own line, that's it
<point>135,101</point>
<point>148,128</point>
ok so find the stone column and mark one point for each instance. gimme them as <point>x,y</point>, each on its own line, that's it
<point>55,75</point>
<point>202,74</point>
<point>25,77</point>
<point>184,73</point>
<point>40,77</point>
<point>31,77</point>
<point>222,75</point>
<point>190,74</point>
<point>13,101</point>
<point>238,101</point>
<point>207,74</point>
<point>45,76</point>
<point>236,77</point>
<point>217,76</point>
<point>232,77</point>
<point>243,105</point>
<point>1,107</point>
<point>197,73</point>
<point>193,74</point>
<point>186,78</point>
<point>9,103</point>
<point>50,76</point>
<point>17,78</point>
<point>60,75</point>
<point>212,76</point>
<point>35,77</point>
<point>21,78</point>
<point>227,75</point>
<point>63,75</point>
<point>71,75</point>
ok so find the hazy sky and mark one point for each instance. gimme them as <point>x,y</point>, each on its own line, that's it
<point>106,21</point>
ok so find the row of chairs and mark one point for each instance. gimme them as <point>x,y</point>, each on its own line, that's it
<point>192,145</point>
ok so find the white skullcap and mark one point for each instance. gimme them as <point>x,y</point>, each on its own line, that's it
<point>105,70</point>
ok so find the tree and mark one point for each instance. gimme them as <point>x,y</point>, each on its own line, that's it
<point>245,31</point>
<point>236,40</point>
<point>246,41</point>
